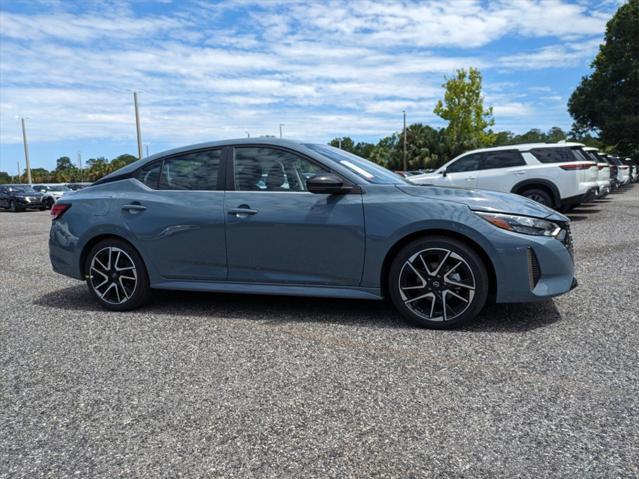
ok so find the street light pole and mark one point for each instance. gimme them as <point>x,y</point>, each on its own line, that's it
<point>405,163</point>
<point>19,175</point>
<point>147,150</point>
<point>281,125</point>
<point>339,142</point>
<point>26,150</point>
<point>248,134</point>
<point>137,123</point>
<point>80,165</point>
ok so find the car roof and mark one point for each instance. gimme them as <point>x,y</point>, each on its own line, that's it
<point>526,147</point>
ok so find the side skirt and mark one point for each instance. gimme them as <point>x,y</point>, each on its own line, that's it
<point>272,289</point>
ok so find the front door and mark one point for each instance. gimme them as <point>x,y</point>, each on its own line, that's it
<point>278,232</point>
<point>463,172</point>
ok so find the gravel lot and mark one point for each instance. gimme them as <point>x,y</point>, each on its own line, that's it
<point>253,386</point>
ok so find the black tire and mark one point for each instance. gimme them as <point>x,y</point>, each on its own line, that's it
<point>138,295</point>
<point>48,203</point>
<point>473,269</point>
<point>13,207</point>
<point>538,195</point>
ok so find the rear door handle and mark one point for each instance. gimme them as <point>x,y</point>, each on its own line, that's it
<point>470,178</point>
<point>520,172</point>
<point>134,207</point>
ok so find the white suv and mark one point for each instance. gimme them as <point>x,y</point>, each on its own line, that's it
<point>558,175</point>
<point>603,175</point>
<point>51,193</point>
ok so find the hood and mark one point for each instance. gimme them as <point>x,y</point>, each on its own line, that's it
<point>484,200</point>
<point>22,194</point>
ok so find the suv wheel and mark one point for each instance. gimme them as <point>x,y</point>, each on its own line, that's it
<point>48,203</point>
<point>116,275</point>
<point>438,282</point>
<point>540,196</point>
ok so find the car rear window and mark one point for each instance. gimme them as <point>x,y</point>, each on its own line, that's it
<point>557,155</point>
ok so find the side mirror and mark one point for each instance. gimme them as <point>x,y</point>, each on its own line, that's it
<point>326,183</point>
<point>444,173</point>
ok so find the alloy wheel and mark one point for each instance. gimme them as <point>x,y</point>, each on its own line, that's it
<point>437,284</point>
<point>538,198</point>
<point>113,275</point>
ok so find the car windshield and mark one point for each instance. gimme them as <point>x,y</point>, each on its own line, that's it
<point>366,169</point>
<point>57,188</point>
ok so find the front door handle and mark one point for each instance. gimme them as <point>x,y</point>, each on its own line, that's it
<point>520,172</point>
<point>241,212</point>
<point>134,207</point>
<point>470,178</point>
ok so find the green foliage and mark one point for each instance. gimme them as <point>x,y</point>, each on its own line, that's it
<point>4,177</point>
<point>463,108</point>
<point>607,101</point>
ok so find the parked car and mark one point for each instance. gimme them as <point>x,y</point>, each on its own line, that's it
<point>633,169</point>
<point>201,218</point>
<point>623,170</point>
<point>20,198</point>
<point>51,193</point>
<point>553,174</point>
<point>603,175</point>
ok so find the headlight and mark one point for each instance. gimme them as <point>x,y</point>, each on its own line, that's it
<point>521,224</point>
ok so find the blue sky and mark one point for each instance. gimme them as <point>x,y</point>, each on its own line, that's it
<point>213,70</point>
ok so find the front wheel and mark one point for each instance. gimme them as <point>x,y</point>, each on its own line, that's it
<point>48,203</point>
<point>116,275</point>
<point>438,282</point>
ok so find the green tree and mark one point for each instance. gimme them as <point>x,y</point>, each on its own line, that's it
<point>122,160</point>
<point>4,177</point>
<point>607,100</point>
<point>346,143</point>
<point>63,163</point>
<point>40,175</point>
<point>463,108</point>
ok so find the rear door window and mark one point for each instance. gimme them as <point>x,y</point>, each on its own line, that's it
<point>502,159</point>
<point>192,171</point>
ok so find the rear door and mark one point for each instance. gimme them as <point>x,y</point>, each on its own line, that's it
<point>278,232</point>
<point>463,172</point>
<point>501,170</point>
<point>177,215</point>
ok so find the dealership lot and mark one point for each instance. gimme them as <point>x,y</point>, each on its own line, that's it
<point>253,386</point>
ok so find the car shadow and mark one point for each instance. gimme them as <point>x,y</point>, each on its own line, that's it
<point>577,217</point>
<point>507,318</point>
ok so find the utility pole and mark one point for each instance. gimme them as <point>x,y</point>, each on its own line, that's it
<point>147,150</point>
<point>137,124</point>
<point>281,125</point>
<point>80,165</point>
<point>19,175</point>
<point>405,163</point>
<point>26,150</point>
<point>339,142</point>
<point>248,134</point>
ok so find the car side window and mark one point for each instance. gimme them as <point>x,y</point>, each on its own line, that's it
<point>192,171</point>
<point>502,159</point>
<point>554,155</point>
<point>150,174</point>
<point>271,169</point>
<point>467,163</point>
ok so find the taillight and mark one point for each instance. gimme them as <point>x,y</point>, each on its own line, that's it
<point>58,210</point>
<point>601,167</point>
<point>576,166</point>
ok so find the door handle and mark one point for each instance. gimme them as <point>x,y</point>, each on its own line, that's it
<point>241,212</point>
<point>134,207</point>
<point>470,178</point>
<point>520,172</point>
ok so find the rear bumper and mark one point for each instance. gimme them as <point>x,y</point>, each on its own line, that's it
<point>578,199</point>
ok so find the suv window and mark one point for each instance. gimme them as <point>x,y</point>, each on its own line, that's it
<point>556,155</point>
<point>270,169</point>
<point>502,159</point>
<point>191,171</point>
<point>150,174</point>
<point>467,163</point>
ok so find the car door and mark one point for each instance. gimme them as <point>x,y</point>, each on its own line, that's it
<point>278,232</point>
<point>463,172</point>
<point>501,170</point>
<point>176,213</point>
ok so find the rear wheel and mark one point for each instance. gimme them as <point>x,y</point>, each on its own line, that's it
<point>48,203</point>
<point>538,195</point>
<point>438,282</point>
<point>116,275</point>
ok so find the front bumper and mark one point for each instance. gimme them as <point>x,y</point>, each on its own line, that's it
<point>29,204</point>
<point>589,195</point>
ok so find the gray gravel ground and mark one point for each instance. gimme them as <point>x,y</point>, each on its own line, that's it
<point>242,386</point>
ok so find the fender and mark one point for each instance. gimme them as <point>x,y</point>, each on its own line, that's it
<point>539,181</point>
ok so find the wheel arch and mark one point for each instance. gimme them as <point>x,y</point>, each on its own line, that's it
<point>539,183</point>
<point>392,252</point>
